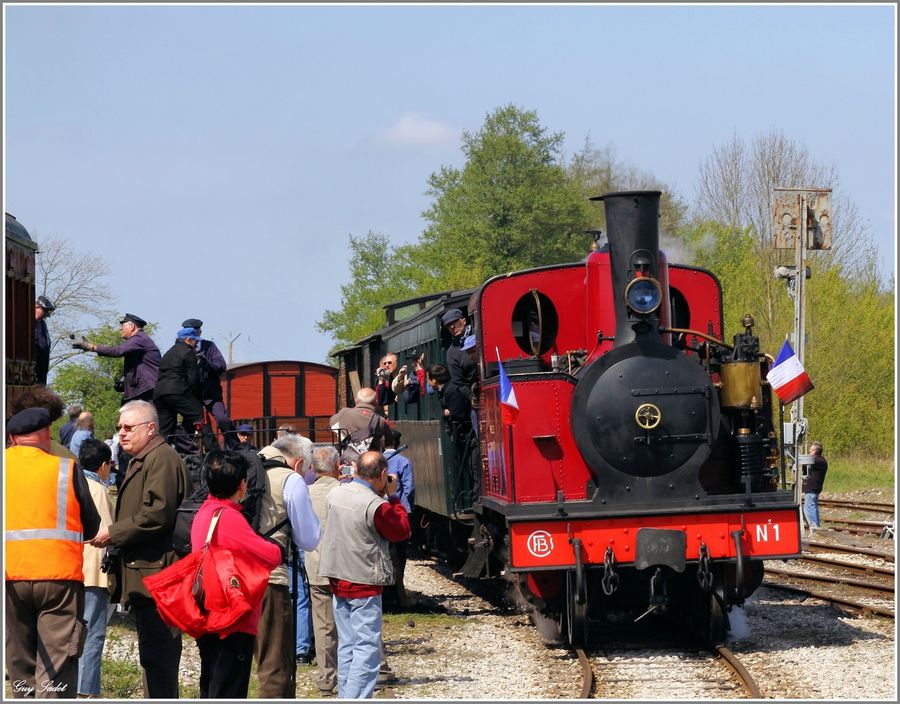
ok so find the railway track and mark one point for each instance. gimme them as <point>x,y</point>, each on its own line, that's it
<point>856,527</point>
<point>737,667</point>
<point>670,673</point>
<point>821,546</point>
<point>587,674</point>
<point>854,567</point>
<point>872,506</point>
<point>855,606</point>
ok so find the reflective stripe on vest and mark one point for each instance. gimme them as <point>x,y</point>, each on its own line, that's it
<point>60,532</point>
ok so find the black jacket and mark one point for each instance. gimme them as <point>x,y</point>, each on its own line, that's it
<point>812,482</point>
<point>179,373</point>
<point>41,351</point>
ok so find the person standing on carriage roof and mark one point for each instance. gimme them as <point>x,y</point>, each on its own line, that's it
<point>43,309</point>
<point>212,366</point>
<point>141,355</point>
<point>178,389</point>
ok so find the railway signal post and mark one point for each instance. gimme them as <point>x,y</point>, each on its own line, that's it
<point>801,221</point>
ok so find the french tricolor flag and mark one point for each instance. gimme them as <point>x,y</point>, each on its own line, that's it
<point>509,407</point>
<point>787,376</point>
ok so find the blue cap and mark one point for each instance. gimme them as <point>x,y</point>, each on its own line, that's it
<point>469,342</point>
<point>187,334</point>
<point>245,428</point>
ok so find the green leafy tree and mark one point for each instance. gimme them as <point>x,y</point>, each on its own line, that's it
<point>510,206</point>
<point>373,284</point>
<point>851,408</point>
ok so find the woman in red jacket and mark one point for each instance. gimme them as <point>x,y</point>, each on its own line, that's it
<point>225,657</point>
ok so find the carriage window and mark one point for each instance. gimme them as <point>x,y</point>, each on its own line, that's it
<point>535,323</point>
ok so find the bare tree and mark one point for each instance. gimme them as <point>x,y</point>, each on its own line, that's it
<point>736,187</point>
<point>76,284</point>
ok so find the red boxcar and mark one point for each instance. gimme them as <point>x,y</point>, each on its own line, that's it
<point>270,394</point>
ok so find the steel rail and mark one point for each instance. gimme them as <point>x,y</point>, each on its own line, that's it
<point>831,547</point>
<point>850,566</point>
<point>587,674</point>
<point>861,506</point>
<point>737,667</point>
<point>831,579</point>
<point>855,606</point>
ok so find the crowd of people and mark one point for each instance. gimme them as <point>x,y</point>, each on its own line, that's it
<point>330,522</point>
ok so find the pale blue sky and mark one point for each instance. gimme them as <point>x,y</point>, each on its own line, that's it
<point>219,156</point>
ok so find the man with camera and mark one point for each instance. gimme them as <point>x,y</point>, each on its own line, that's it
<point>141,355</point>
<point>385,395</point>
<point>410,386</point>
<point>364,516</point>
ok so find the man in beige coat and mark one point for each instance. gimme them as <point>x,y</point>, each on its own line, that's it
<point>326,463</point>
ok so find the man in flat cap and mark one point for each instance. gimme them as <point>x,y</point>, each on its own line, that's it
<point>43,309</point>
<point>212,366</point>
<point>141,355</point>
<point>244,436</point>
<point>458,391</point>
<point>48,516</point>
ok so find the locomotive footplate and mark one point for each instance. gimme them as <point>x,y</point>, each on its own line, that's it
<point>658,546</point>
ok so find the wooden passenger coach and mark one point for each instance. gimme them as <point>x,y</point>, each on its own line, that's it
<point>20,293</point>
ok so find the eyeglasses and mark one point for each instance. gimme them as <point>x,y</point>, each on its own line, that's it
<point>130,428</point>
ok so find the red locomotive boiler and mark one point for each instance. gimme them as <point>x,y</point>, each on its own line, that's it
<point>641,471</point>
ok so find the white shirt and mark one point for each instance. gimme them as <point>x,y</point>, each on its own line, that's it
<point>305,530</point>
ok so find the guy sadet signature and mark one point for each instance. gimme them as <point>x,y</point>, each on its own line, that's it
<point>45,686</point>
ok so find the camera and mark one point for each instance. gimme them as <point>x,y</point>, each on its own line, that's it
<point>383,373</point>
<point>346,470</point>
<point>108,561</point>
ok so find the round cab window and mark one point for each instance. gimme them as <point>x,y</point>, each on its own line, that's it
<point>535,323</point>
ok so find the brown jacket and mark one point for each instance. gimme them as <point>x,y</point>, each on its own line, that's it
<point>154,486</point>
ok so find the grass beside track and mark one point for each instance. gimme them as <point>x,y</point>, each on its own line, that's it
<point>846,474</point>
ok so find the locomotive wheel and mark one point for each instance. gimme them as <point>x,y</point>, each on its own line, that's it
<point>576,614</point>
<point>713,621</point>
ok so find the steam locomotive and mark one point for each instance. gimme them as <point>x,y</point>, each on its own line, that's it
<point>641,472</point>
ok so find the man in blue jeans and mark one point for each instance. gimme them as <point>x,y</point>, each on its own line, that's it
<point>305,651</point>
<point>356,559</point>
<point>812,485</point>
<point>95,459</point>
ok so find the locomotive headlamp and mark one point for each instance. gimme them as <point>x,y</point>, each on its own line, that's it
<point>643,295</point>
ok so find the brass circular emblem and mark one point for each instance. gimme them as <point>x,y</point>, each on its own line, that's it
<point>647,416</point>
<point>233,582</point>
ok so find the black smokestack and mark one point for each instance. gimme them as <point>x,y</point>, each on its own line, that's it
<point>632,229</point>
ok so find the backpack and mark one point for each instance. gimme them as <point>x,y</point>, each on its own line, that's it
<point>184,516</point>
<point>359,441</point>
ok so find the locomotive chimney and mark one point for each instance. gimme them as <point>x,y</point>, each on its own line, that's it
<point>632,229</point>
